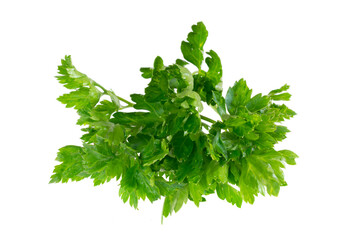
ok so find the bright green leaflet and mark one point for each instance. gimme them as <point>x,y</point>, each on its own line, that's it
<point>163,147</point>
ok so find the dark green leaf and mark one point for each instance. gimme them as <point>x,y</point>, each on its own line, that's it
<point>198,35</point>
<point>220,103</point>
<point>219,145</point>
<point>158,87</point>
<point>191,166</point>
<point>193,123</point>
<point>215,69</point>
<point>141,103</point>
<point>181,62</point>
<point>237,97</point>
<point>193,49</point>
<point>141,118</point>
<point>182,145</point>
<point>146,72</point>
<point>158,64</point>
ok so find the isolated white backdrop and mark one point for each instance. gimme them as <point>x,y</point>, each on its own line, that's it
<point>314,46</point>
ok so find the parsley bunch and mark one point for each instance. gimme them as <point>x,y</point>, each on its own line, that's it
<point>165,147</point>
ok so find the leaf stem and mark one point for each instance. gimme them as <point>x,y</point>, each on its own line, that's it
<point>130,104</point>
<point>98,85</point>
<point>207,119</point>
<point>126,101</point>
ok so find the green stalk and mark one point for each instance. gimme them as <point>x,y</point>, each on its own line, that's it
<point>130,104</point>
<point>207,119</point>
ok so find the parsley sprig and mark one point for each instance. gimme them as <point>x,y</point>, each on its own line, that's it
<point>165,147</point>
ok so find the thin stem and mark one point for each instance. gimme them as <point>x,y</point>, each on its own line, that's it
<point>98,85</point>
<point>205,125</point>
<point>127,106</point>
<point>126,101</point>
<point>207,119</point>
<point>130,104</point>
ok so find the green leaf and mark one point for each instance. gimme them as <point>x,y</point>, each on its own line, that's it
<point>215,171</point>
<point>175,122</point>
<point>191,165</point>
<point>289,156</point>
<point>193,123</point>
<point>70,77</point>
<point>167,187</point>
<point>139,142</point>
<point>219,145</point>
<point>71,167</point>
<point>158,87</point>
<point>116,135</point>
<point>280,133</point>
<point>215,69</point>
<point>282,89</point>
<point>237,97</point>
<point>228,193</point>
<point>174,201</point>
<point>128,118</point>
<point>136,185</point>
<point>193,49</point>
<point>142,104</point>
<point>83,98</point>
<point>103,162</point>
<point>220,103</point>
<point>264,140</point>
<point>257,103</point>
<point>235,121</point>
<point>281,97</point>
<point>146,72</point>
<point>181,62</point>
<point>158,64</point>
<point>281,112</point>
<point>198,35</point>
<point>266,126</point>
<point>196,191</point>
<point>259,174</point>
<point>182,145</point>
<point>101,112</point>
<point>154,151</point>
<point>193,55</point>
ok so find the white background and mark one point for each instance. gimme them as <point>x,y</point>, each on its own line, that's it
<point>314,46</point>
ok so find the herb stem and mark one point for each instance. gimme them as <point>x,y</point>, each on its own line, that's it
<point>207,119</point>
<point>205,125</point>
<point>102,88</point>
<point>130,104</point>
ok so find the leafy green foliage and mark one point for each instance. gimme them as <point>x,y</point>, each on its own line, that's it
<point>165,147</point>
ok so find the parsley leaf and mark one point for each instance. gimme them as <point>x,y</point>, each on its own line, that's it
<point>193,48</point>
